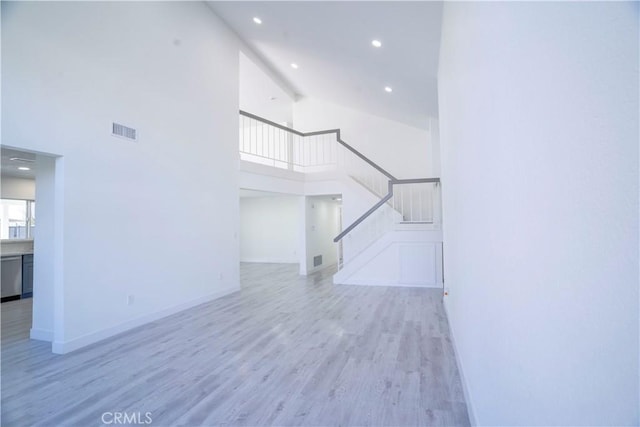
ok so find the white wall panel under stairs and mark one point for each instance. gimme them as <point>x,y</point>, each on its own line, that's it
<point>405,256</point>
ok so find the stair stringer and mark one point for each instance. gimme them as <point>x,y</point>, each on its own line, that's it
<point>401,257</point>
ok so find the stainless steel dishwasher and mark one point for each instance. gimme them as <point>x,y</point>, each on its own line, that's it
<point>11,277</point>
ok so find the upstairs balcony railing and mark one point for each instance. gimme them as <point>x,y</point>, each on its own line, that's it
<point>265,142</point>
<point>400,200</point>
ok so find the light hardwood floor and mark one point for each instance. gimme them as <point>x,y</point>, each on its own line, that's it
<point>286,350</point>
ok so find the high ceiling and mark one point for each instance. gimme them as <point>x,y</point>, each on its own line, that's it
<point>331,44</point>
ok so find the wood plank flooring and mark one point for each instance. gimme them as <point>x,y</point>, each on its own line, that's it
<point>286,350</point>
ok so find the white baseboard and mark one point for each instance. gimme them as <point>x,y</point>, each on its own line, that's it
<point>317,269</point>
<point>62,347</point>
<point>463,379</point>
<point>271,260</point>
<point>384,283</point>
<point>41,334</point>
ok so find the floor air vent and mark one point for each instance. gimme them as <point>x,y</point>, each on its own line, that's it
<point>123,131</point>
<point>317,260</point>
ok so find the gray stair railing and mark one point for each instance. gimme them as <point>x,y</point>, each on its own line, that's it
<point>317,133</point>
<point>280,150</point>
<point>384,200</point>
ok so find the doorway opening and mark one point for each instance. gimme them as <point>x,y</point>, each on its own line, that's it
<point>32,188</point>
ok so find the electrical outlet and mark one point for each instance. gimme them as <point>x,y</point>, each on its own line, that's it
<point>130,299</point>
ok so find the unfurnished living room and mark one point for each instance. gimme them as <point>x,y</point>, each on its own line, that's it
<point>341,213</point>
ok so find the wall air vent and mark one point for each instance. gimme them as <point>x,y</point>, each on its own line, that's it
<point>317,260</point>
<point>123,131</point>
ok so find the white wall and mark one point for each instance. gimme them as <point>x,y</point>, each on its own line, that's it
<point>260,94</point>
<point>48,253</point>
<point>169,69</point>
<point>18,188</point>
<point>402,150</point>
<point>269,229</point>
<point>539,135</point>
<point>322,225</point>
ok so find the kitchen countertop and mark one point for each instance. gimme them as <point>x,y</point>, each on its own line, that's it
<point>8,254</point>
<point>16,247</point>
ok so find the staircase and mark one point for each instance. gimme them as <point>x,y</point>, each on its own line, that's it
<point>394,238</point>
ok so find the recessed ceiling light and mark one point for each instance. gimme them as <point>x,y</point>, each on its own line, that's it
<point>294,65</point>
<point>257,20</point>
<point>388,89</point>
<point>376,43</point>
<point>20,159</point>
<point>24,168</point>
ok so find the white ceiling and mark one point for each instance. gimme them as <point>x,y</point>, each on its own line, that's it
<point>331,43</point>
<point>10,167</point>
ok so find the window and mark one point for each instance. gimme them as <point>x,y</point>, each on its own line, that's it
<point>17,219</point>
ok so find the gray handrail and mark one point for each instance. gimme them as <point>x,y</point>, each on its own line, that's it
<point>392,180</point>
<point>415,181</point>
<point>359,154</point>
<point>375,207</point>
<point>384,200</point>
<point>320,132</point>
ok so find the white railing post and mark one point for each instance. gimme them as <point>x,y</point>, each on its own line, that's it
<point>289,147</point>
<point>437,205</point>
